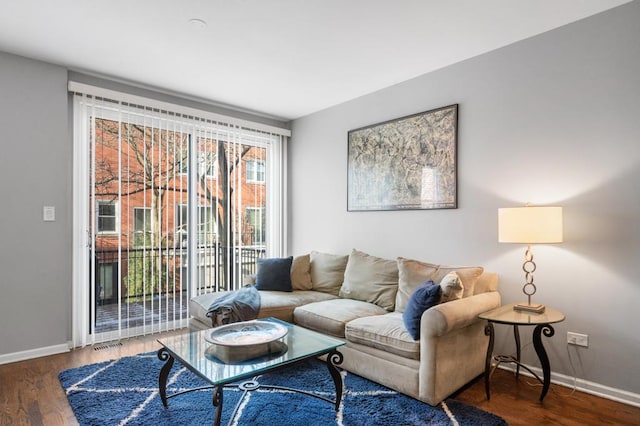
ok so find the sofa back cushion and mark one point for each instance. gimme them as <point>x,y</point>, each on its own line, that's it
<point>411,273</point>
<point>488,281</point>
<point>300,275</point>
<point>468,276</point>
<point>327,271</point>
<point>370,279</point>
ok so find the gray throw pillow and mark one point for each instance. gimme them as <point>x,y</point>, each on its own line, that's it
<point>274,274</point>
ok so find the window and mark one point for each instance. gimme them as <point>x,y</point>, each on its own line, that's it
<point>206,225</point>
<point>106,282</point>
<point>255,171</point>
<point>207,165</point>
<point>182,217</point>
<point>107,217</point>
<point>256,222</point>
<point>142,229</point>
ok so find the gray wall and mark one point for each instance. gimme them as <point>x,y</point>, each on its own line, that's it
<point>35,170</point>
<point>552,120</point>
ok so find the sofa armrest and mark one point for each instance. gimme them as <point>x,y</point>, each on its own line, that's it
<point>445,317</point>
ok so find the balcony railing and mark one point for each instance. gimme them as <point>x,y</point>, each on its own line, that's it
<point>153,274</point>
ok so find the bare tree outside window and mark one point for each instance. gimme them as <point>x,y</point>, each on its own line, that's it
<point>146,169</point>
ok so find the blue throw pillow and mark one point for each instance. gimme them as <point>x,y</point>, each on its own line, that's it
<point>424,297</point>
<point>274,274</point>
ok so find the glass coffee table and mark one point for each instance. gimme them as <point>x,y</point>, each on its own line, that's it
<point>195,351</point>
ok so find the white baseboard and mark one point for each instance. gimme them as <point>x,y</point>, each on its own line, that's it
<point>34,353</point>
<point>585,386</point>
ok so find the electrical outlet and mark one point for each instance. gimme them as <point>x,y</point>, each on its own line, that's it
<point>577,339</point>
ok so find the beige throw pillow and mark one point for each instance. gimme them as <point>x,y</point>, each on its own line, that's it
<point>300,276</point>
<point>411,273</point>
<point>370,279</point>
<point>452,288</point>
<point>327,271</point>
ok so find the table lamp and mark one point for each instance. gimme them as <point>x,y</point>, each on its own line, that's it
<point>530,225</point>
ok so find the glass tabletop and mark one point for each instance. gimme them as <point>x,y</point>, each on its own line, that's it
<point>200,356</point>
<point>507,315</point>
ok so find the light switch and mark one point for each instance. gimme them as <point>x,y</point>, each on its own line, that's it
<point>49,213</point>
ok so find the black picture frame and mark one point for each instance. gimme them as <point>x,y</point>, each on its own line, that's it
<point>408,163</point>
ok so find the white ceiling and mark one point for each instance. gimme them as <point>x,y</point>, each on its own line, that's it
<point>281,58</point>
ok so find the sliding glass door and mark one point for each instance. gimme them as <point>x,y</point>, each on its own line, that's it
<point>172,205</point>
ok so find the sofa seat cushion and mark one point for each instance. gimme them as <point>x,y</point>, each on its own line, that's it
<point>385,332</point>
<point>331,316</point>
<point>277,304</point>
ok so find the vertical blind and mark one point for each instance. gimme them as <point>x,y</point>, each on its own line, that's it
<point>170,202</point>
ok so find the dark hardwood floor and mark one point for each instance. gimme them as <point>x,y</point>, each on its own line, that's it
<point>30,393</point>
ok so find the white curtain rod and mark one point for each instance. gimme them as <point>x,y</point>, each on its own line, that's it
<point>76,87</point>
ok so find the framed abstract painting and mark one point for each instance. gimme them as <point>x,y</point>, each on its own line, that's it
<point>409,163</point>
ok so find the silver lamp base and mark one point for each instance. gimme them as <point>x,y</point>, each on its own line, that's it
<point>529,266</point>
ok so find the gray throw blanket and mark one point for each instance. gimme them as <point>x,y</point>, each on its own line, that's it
<point>235,306</point>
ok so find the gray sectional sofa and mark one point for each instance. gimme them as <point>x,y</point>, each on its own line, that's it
<point>365,300</point>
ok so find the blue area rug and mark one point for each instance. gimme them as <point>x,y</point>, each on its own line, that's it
<point>125,392</point>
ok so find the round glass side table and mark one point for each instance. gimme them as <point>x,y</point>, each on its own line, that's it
<point>542,323</point>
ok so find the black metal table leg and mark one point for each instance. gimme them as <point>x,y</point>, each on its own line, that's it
<point>516,336</point>
<point>217,402</point>
<point>548,331</point>
<point>488,331</point>
<point>510,315</point>
<point>335,358</point>
<point>164,355</point>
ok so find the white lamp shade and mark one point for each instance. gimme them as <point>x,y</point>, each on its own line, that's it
<point>530,225</point>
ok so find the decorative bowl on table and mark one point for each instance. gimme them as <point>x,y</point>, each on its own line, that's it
<point>245,340</point>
